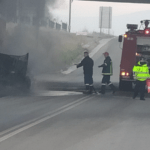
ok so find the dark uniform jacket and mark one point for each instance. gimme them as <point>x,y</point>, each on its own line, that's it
<point>107,66</point>
<point>87,64</point>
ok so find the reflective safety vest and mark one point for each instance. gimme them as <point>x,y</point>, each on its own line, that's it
<point>107,66</point>
<point>141,72</point>
<point>109,70</point>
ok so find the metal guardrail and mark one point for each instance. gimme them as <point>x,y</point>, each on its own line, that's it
<point>58,26</point>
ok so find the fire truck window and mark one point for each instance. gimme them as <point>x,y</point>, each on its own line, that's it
<point>144,51</point>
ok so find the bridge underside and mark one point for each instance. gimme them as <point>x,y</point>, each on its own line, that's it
<point>122,1</point>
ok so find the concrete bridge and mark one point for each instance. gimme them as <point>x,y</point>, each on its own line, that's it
<point>122,1</point>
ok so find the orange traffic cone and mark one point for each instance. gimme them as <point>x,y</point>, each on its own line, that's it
<point>148,85</point>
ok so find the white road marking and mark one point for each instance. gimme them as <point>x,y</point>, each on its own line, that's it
<point>57,93</point>
<point>45,118</point>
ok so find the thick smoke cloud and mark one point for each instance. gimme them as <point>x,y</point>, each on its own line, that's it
<point>41,43</point>
<point>9,8</point>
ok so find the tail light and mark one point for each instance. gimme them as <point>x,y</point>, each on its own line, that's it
<point>123,73</point>
<point>147,31</point>
<point>125,35</point>
<point>137,54</point>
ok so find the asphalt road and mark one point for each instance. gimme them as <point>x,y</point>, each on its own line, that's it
<point>73,121</point>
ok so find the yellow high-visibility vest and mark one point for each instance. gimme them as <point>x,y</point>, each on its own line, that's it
<point>141,72</point>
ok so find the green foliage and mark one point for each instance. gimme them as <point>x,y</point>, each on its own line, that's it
<point>68,56</point>
<point>49,50</point>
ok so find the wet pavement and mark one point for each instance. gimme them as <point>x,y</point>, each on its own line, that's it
<point>57,93</point>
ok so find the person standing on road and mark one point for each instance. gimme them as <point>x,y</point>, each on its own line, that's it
<point>87,64</point>
<point>107,71</point>
<point>140,73</point>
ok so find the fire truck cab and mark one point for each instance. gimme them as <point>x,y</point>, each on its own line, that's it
<point>134,43</point>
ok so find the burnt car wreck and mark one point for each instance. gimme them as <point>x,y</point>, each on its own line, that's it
<point>13,70</point>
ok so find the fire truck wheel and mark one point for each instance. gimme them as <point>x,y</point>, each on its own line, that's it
<point>125,85</point>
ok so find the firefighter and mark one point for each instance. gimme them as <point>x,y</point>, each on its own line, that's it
<point>107,72</point>
<point>87,64</point>
<point>140,73</point>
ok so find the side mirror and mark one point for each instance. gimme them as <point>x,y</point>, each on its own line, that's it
<point>120,38</point>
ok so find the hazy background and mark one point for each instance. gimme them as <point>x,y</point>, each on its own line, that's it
<point>86,15</point>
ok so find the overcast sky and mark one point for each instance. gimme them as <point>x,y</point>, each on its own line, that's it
<point>85,15</point>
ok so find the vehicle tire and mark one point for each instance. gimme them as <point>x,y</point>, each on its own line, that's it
<point>125,85</point>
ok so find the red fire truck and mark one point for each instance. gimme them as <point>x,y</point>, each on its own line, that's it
<point>134,43</point>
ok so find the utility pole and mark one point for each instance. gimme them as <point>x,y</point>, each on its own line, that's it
<point>101,13</point>
<point>17,11</point>
<point>40,10</point>
<point>70,1</point>
<point>109,21</point>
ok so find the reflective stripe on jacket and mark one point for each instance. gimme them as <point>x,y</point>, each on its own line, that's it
<point>141,72</point>
<point>107,66</point>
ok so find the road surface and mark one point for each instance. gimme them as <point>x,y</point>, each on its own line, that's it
<point>73,121</point>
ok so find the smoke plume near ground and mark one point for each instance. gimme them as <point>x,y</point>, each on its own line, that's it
<point>49,50</point>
